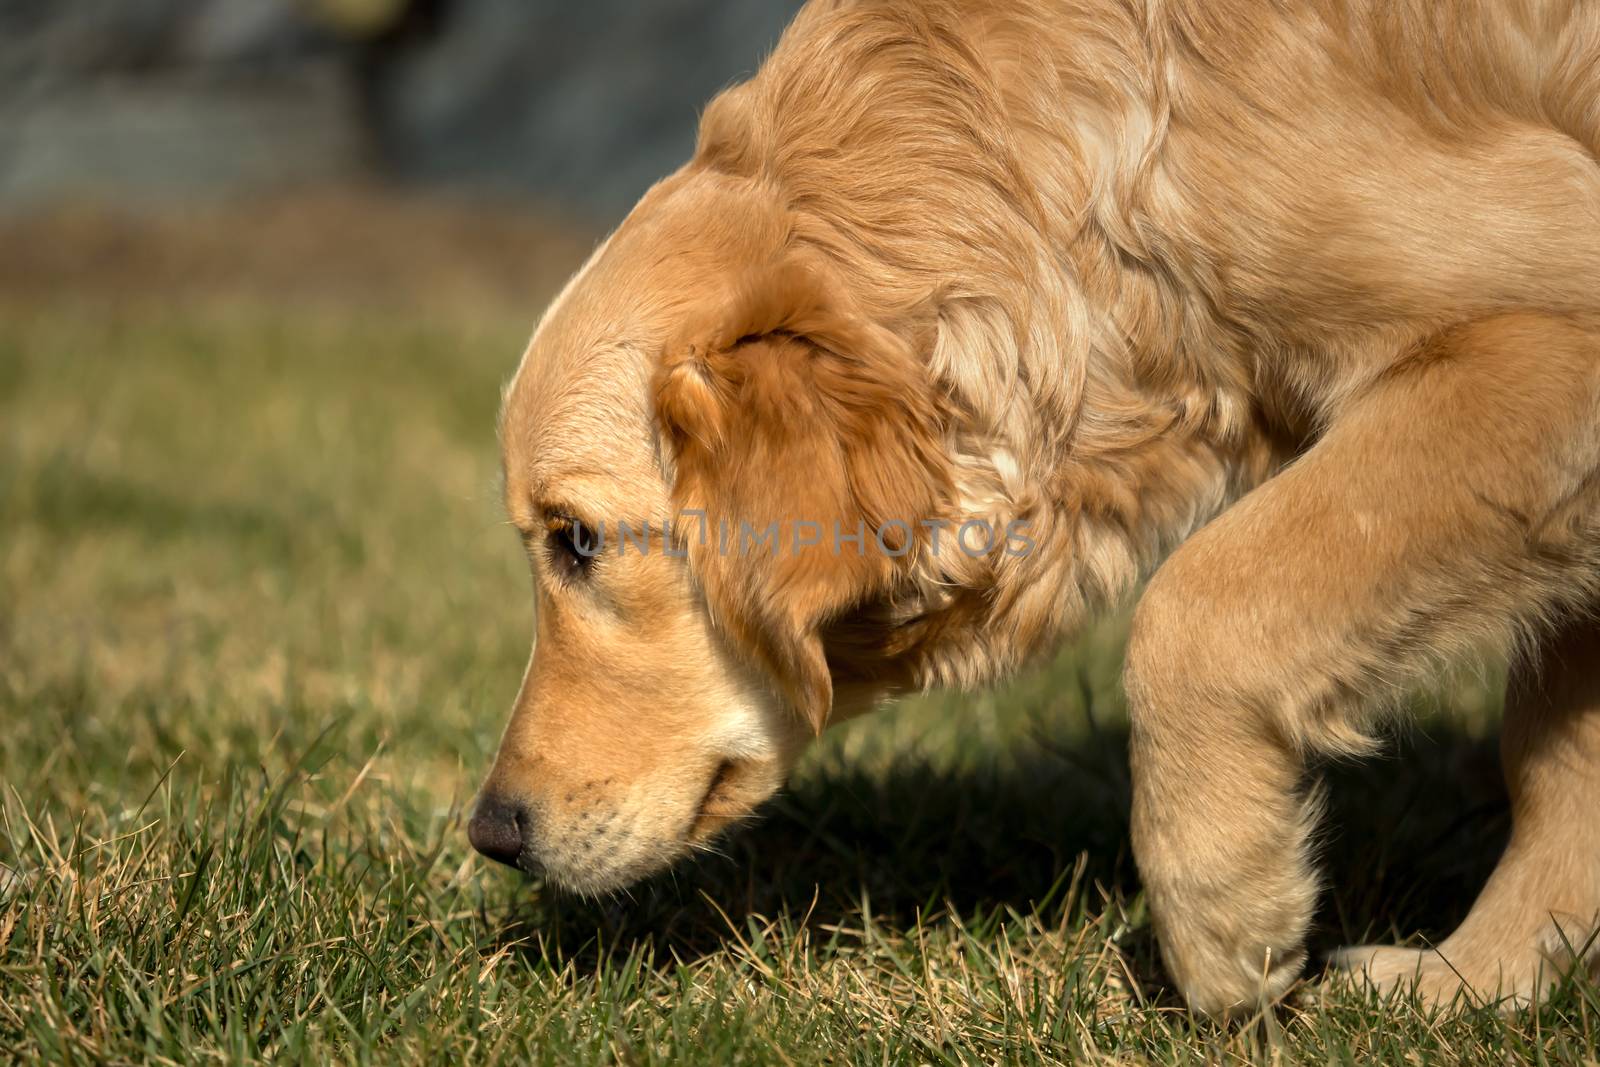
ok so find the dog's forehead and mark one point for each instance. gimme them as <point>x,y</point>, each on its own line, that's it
<point>578,408</point>
<point>576,429</point>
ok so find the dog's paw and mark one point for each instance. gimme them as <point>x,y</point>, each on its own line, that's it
<point>1390,969</point>
<point>1229,985</point>
<point>1449,978</point>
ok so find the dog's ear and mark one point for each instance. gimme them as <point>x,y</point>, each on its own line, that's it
<point>807,450</point>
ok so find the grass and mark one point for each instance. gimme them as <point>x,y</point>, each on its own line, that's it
<point>260,622</point>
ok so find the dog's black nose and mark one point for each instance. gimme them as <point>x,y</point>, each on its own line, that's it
<point>497,827</point>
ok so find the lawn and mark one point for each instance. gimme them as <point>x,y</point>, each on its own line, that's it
<point>260,624</point>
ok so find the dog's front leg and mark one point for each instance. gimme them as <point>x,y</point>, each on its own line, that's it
<point>1539,914</point>
<point>1452,501</point>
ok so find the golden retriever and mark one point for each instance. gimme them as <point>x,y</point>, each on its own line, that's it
<point>1301,296</point>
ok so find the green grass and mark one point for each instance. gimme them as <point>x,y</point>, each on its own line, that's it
<point>260,622</point>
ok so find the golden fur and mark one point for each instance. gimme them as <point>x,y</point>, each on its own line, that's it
<point>1307,291</point>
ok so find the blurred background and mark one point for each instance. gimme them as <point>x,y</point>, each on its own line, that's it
<point>575,107</point>
<point>424,153</point>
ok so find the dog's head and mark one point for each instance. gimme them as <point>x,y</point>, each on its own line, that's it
<point>716,459</point>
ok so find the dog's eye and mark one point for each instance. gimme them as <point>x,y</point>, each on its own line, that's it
<point>573,547</point>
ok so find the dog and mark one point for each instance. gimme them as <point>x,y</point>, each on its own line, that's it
<point>1286,312</point>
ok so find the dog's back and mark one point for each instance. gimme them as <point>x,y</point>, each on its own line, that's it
<point>1535,61</point>
<point>1335,176</point>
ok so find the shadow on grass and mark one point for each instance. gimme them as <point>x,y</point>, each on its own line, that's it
<point>1408,840</point>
